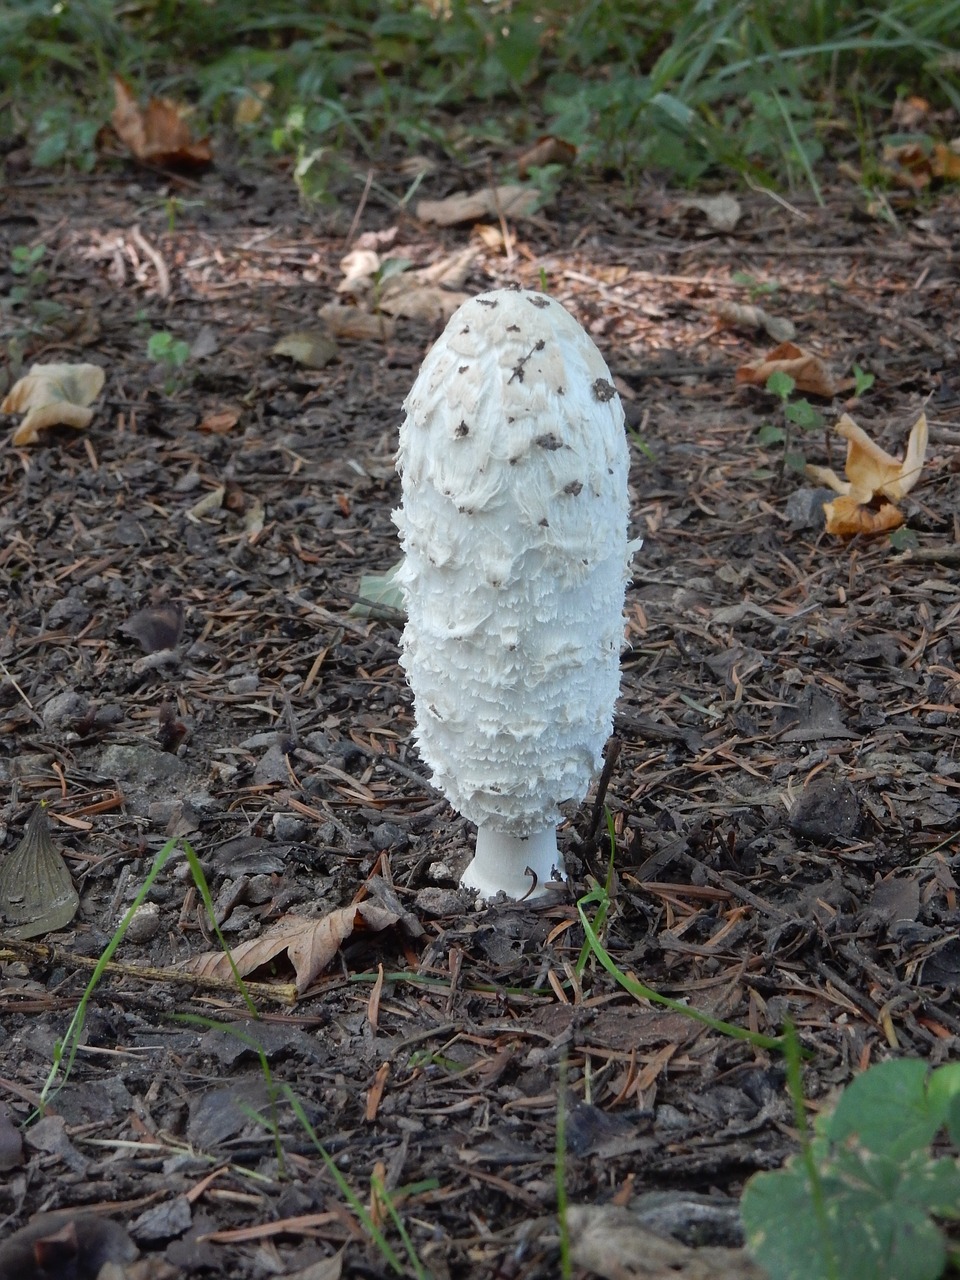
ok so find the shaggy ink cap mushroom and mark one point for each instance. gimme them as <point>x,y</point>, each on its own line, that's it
<point>513,461</point>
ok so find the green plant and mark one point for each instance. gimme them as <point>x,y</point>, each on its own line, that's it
<point>62,138</point>
<point>600,898</point>
<point>25,262</point>
<point>171,353</point>
<point>796,413</point>
<point>857,1203</point>
<point>755,288</point>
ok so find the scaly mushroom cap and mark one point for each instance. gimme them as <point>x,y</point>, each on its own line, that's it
<point>514,525</point>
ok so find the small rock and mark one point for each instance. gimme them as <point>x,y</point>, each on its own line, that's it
<point>289,828</point>
<point>145,923</point>
<point>433,901</point>
<point>164,1221</point>
<point>389,836</point>
<point>64,708</point>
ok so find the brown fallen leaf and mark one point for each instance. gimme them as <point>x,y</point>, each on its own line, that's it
<point>810,373</point>
<point>511,201</point>
<point>875,480</point>
<point>310,944</point>
<point>310,347</point>
<point>420,302</point>
<point>722,212</point>
<point>357,325</point>
<point>914,165</point>
<point>546,150</point>
<point>221,421</point>
<point>53,395</point>
<point>157,134</point>
<point>742,315</point>
<point>845,516</point>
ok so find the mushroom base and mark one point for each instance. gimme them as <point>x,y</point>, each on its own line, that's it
<point>501,862</point>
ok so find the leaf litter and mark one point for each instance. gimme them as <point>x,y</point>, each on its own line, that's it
<point>769,674</point>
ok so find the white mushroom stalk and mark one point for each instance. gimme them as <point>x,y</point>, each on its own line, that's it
<point>513,521</point>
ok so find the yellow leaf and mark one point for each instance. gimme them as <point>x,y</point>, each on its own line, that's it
<point>53,395</point>
<point>872,471</point>
<point>846,516</point>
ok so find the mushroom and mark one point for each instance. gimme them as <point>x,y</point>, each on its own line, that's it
<point>513,461</point>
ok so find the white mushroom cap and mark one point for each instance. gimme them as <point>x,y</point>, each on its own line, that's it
<point>514,525</point>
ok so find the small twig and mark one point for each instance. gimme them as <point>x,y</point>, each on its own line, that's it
<point>611,757</point>
<point>364,195</point>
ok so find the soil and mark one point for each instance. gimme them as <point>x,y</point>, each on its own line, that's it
<point>179,659</point>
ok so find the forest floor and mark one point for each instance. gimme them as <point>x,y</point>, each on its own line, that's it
<point>178,658</point>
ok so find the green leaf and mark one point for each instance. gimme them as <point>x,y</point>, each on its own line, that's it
<point>904,539</point>
<point>769,434</point>
<point>888,1110</point>
<point>864,381</point>
<point>804,415</point>
<point>876,1224</point>
<point>780,384</point>
<point>795,462</point>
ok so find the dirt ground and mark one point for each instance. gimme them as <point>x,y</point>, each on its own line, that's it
<point>177,658</point>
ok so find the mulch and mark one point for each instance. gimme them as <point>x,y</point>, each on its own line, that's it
<point>785,799</point>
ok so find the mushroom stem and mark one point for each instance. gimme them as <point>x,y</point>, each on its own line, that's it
<point>501,861</point>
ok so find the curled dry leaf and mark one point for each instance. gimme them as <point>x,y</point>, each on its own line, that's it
<point>221,421</point>
<point>722,212</point>
<point>915,166</point>
<point>310,347</point>
<point>872,475</point>
<point>420,302</point>
<point>157,134</point>
<point>53,395</point>
<point>359,268</point>
<point>845,516</point>
<point>310,945</point>
<point>352,323</point>
<point>546,150</point>
<point>741,315</point>
<point>810,373</point>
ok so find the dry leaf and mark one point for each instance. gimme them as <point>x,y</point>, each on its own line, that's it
<point>220,423</point>
<point>872,475</point>
<point>811,374</point>
<point>158,133</point>
<point>611,1241</point>
<point>845,516</point>
<point>423,302</point>
<point>211,501</point>
<point>308,347</point>
<point>546,150</point>
<point>722,212</point>
<point>351,322</point>
<point>510,201</point>
<point>908,114</point>
<point>250,106</point>
<point>740,315</point>
<point>359,268</point>
<point>310,944</point>
<point>451,271</point>
<point>53,395</point>
<point>914,165</point>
